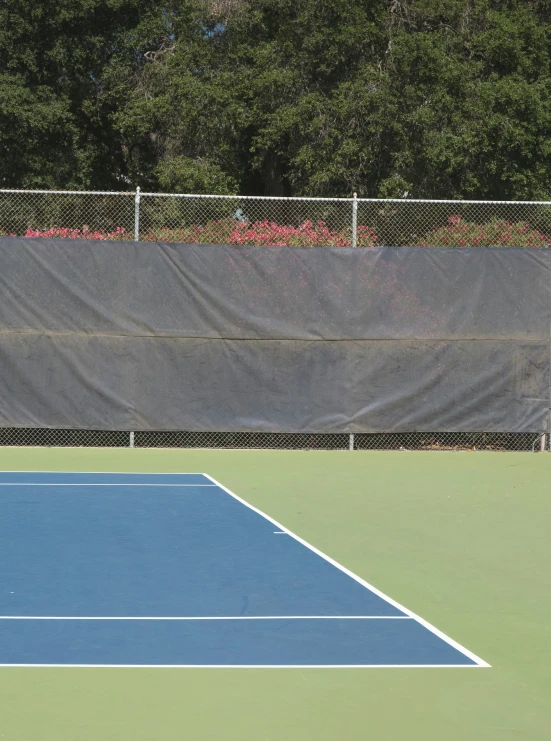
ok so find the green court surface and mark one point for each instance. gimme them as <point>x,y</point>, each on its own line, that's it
<point>462,539</point>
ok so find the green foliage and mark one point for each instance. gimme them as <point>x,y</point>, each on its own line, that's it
<point>433,98</point>
<point>54,119</point>
<point>181,174</point>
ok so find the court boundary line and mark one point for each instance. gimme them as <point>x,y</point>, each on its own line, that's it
<point>208,617</point>
<point>241,666</point>
<point>122,473</point>
<point>41,483</point>
<point>479,662</point>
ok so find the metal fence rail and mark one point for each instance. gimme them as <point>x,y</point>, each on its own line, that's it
<point>255,220</point>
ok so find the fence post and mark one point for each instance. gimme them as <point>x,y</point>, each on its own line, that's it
<point>351,441</point>
<point>131,441</point>
<point>354,220</point>
<point>137,215</point>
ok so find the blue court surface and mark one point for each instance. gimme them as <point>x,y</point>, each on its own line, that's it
<point>115,569</point>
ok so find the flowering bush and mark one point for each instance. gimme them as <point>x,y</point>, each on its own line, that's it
<point>263,233</point>
<point>214,232</point>
<point>85,233</point>
<point>496,233</point>
<point>66,233</point>
<point>271,234</point>
<point>229,231</point>
<point>456,233</point>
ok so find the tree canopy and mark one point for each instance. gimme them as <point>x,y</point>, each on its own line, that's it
<point>430,98</point>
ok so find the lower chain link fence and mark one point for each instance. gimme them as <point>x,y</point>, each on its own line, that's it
<point>402,441</point>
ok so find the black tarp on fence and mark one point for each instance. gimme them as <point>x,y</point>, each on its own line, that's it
<point>149,336</point>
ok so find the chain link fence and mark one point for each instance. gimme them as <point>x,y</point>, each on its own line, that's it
<point>293,222</point>
<point>433,441</point>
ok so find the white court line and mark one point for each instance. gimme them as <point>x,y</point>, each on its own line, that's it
<point>241,666</point>
<point>42,483</point>
<point>210,617</point>
<point>115,473</point>
<point>465,651</point>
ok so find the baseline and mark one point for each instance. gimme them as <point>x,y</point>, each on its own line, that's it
<point>275,642</point>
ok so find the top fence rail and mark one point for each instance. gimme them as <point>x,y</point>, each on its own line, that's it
<point>274,221</point>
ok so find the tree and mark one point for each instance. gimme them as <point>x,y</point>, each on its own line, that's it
<point>436,98</point>
<point>54,120</point>
<point>447,99</point>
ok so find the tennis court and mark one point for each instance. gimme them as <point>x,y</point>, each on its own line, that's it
<point>174,569</point>
<point>459,539</point>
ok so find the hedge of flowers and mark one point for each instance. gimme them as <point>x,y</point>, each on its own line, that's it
<point>263,233</point>
<point>84,233</point>
<point>455,233</point>
<point>495,233</point>
<point>228,231</point>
